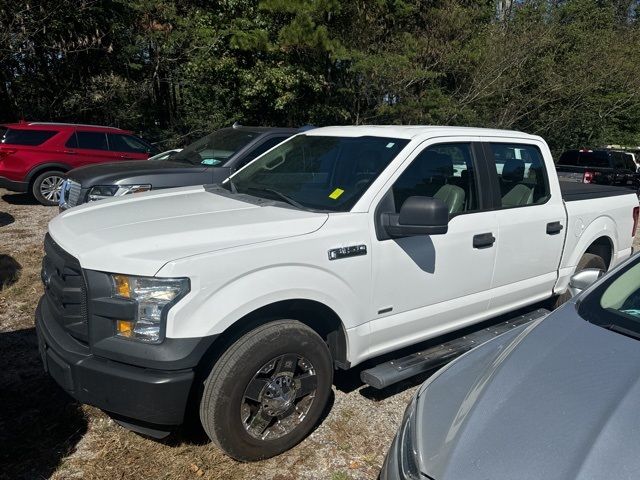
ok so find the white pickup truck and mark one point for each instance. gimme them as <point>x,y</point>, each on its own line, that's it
<point>334,247</point>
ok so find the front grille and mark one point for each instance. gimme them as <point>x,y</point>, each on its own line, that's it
<point>72,193</point>
<point>65,289</point>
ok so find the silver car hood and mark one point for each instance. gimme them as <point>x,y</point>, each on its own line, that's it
<point>558,400</point>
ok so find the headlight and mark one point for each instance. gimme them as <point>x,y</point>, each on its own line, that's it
<point>107,191</point>
<point>153,298</point>
<point>408,460</point>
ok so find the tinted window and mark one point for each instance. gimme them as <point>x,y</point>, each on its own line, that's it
<point>27,137</point>
<point>216,148</point>
<point>126,143</point>
<point>92,140</point>
<point>440,171</point>
<point>594,159</point>
<point>619,161</point>
<point>318,172</point>
<point>522,175</point>
<point>260,149</point>
<point>569,158</point>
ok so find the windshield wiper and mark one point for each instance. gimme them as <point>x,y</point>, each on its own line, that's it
<point>279,195</point>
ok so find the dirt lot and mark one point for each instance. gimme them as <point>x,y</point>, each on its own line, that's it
<point>44,433</point>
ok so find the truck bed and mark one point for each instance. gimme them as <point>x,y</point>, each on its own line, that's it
<point>573,191</point>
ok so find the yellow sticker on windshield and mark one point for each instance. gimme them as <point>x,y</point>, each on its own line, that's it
<point>336,194</point>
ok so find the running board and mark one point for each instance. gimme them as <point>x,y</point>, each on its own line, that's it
<point>394,371</point>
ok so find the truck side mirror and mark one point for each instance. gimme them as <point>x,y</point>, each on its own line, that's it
<point>584,279</point>
<point>418,216</point>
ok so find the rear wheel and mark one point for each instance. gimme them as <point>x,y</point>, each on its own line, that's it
<point>47,187</point>
<point>267,391</point>
<point>588,260</point>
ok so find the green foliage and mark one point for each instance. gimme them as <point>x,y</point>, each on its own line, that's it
<point>568,70</point>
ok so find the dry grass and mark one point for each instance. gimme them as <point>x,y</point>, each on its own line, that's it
<point>45,434</point>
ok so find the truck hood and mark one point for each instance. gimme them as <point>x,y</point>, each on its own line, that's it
<point>114,173</point>
<point>556,400</point>
<point>138,234</point>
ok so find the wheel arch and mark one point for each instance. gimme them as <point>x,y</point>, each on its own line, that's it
<point>316,315</point>
<point>44,167</point>
<point>603,247</point>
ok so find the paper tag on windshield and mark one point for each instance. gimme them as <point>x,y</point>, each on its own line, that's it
<point>336,194</point>
<point>390,144</point>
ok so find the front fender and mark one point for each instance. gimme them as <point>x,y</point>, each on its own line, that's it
<point>208,312</point>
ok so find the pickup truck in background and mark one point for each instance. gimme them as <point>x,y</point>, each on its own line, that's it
<point>601,167</point>
<point>337,246</point>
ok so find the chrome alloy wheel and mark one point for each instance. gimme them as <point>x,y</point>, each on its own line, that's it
<point>278,397</point>
<point>51,187</point>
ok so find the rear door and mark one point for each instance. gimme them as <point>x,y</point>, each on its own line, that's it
<point>87,147</point>
<point>531,221</point>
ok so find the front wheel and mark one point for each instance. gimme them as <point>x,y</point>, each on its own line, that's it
<point>267,391</point>
<point>47,188</point>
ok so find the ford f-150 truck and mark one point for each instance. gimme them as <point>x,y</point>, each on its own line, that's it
<point>332,248</point>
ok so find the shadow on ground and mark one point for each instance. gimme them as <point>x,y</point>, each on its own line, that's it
<point>6,219</point>
<point>19,199</point>
<point>9,271</point>
<point>39,423</point>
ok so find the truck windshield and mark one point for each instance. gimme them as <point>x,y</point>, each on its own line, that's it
<point>615,305</point>
<point>318,172</point>
<point>216,148</point>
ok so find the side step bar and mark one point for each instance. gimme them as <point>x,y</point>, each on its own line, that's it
<point>394,371</point>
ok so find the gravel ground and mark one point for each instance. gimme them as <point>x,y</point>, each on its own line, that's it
<point>45,434</point>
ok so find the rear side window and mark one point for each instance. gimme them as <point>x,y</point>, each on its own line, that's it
<point>619,161</point>
<point>522,176</point>
<point>569,158</point>
<point>30,138</point>
<point>91,140</point>
<point>119,142</point>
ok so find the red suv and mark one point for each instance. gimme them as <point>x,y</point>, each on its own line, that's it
<point>35,155</point>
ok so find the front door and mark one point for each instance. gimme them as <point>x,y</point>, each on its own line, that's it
<point>427,285</point>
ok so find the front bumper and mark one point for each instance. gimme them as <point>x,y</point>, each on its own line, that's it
<point>13,185</point>
<point>152,398</point>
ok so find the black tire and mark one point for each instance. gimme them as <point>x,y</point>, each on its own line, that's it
<point>588,260</point>
<point>47,187</point>
<point>247,361</point>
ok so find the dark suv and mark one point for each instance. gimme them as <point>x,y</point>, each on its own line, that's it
<point>208,160</point>
<point>604,167</point>
<point>34,156</point>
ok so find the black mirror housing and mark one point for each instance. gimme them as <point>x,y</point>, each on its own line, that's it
<point>418,216</point>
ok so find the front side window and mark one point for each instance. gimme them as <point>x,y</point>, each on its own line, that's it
<point>318,172</point>
<point>92,140</point>
<point>440,171</point>
<point>30,138</point>
<point>127,143</point>
<point>216,148</point>
<point>615,305</point>
<point>522,176</point>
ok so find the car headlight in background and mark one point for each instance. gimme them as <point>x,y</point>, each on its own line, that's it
<point>153,298</point>
<point>101,192</point>
<point>408,461</point>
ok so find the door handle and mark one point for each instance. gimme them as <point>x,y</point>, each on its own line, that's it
<point>554,228</point>
<point>483,240</point>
